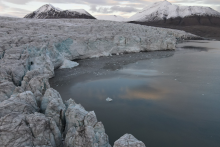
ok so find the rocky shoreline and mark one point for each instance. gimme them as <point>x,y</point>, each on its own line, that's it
<point>32,113</point>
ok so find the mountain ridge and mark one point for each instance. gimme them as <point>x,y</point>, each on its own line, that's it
<point>48,11</point>
<point>205,24</point>
<point>165,10</point>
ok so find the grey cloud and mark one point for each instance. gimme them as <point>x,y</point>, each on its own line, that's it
<point>124,9</point>
<point>12,12</point>
<point>218,9</point>
<point>210,2</point>
<point>105,2</point>
<point>17,1</point>
<point>2,7</point>
<point>140,5</point>
<point>90,2</point>
<point>94,8</point>
<point>100,2</point>
<point>100,5</point>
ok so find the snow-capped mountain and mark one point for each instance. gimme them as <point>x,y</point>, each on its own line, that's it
<point>164,10</point>
<point>50,12</point>
<point>111,18</point>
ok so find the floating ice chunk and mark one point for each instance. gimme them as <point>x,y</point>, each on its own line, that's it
<point>68,64</point>
<point>108,99</point>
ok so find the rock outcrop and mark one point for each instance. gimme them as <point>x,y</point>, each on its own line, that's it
<point>6,90</point>
<point>14,131</point>
<point>52,106</point>
<point>14,65</point>
<point>22,103</point>
<point>83,129</point>
<point>21,130</point>
<point>32,113</point>
<point>128,140</point>
<point>22,125</point>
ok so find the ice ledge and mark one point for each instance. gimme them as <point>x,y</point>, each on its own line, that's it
<point>68,64</point>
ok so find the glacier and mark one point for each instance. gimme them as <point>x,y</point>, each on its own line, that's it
<point>34,114</point>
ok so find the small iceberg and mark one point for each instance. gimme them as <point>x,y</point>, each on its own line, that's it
<point>68,64</point>
<point>109,99</point>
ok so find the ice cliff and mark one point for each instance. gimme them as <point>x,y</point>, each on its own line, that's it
<point>32,113</point>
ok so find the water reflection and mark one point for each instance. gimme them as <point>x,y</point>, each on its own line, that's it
<point>145,92</point>
<point>197,48</point>
<point>140,72</point>
<point>171,101</point>
<point>201,44</point>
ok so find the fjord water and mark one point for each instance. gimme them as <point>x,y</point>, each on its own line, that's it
<point>164,99</point>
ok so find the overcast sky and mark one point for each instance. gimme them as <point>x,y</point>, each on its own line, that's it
<point>125,8</point>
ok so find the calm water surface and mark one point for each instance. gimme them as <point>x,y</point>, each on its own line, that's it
<point>171,99</point>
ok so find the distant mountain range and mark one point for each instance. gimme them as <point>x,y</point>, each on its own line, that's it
<point>164,13</point>
<point>111,18</point>
<point>50,12</point>
<point>161,13</point>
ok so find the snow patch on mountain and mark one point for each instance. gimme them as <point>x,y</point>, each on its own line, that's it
<point>165,10</point>
<point>82,11</point>
<point>46,8</point>
<point>111,18</point>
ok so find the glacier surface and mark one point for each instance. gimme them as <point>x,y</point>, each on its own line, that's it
<point>32,113</point>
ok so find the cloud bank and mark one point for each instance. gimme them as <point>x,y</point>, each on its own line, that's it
<point>112,9</point>
<point>96,7</point>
